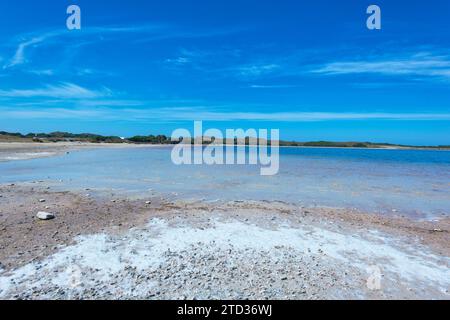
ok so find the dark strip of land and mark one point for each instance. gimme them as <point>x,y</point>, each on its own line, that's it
<point>163,139</point>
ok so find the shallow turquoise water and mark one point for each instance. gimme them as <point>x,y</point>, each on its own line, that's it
<point>415,183</point>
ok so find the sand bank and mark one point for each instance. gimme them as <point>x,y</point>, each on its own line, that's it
<point>22,150</point>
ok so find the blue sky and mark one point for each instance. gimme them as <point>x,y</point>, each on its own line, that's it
<point>309,68</point>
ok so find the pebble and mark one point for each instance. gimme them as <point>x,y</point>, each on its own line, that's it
<point>45,215</point>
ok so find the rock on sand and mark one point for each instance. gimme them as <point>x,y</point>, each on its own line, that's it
<point>45,215</point>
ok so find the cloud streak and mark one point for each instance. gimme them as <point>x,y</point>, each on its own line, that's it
<point>35,39</point>
<point>426,65</point>
<point>152,33</point>
<point>63,90</point>
<point>19,56</point>
<point>182,114</point>
<point>273,86</point>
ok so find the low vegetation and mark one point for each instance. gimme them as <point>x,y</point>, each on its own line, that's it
<point>162,139</point>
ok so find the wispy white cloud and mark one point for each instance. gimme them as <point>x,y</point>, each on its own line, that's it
<point>38,38</point>
<point>200,113</point>
<point>52,113</point>
<point>302,116</point>
<point>93,72</point>
<point>422,64</point>
<point>179,61</point>
<point>19,56</point>
<point>273,86</point>
<point>251,71</point>
<point>182,33</point>
<point>218,62</point>
<point>151,32</point>
<point>63,90</point>
<point>42,72</point>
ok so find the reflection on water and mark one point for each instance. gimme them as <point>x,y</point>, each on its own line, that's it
<point>409,181</point>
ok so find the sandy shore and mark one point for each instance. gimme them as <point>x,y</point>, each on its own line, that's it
<point>23,151</point>
<point>112,247</point>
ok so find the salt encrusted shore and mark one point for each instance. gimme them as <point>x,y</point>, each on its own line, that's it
<point>113,247</point>
<point>10,151</point>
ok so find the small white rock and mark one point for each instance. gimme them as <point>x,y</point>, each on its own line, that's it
<point>45,215</point>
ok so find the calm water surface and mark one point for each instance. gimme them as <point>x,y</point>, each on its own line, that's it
<point>416,183</point>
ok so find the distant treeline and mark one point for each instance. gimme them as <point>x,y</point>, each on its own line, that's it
<point>328,144</point>
<point>63,136</point>
<point>331,144</point>
<point>162,139</point>
<point>84,137</point>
